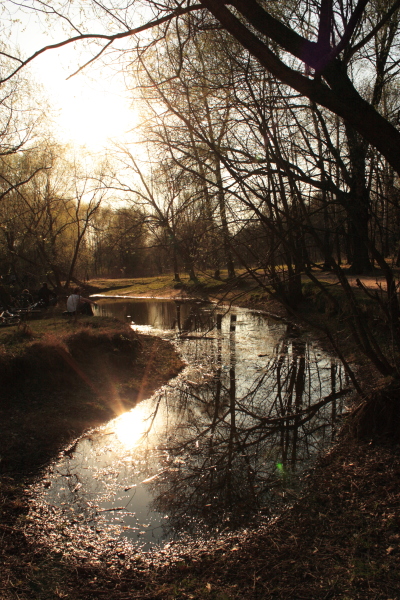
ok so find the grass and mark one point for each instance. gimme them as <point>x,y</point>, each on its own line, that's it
<point>241,290</point>
<point>162,285</point>
<point>132,286</point>
<point>14,338</point>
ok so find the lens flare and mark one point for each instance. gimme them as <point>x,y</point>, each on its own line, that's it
<point>130,427</point>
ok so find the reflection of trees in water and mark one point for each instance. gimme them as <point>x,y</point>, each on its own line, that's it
<point>197,319</point>
<point>218,450</point>
<point>231,457</point>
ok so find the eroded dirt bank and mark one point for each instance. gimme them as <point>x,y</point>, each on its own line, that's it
<point>56,387</point>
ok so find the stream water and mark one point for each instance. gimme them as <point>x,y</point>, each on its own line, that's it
<point>218,449</point>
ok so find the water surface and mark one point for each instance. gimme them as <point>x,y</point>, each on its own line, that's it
<point>219,448</point>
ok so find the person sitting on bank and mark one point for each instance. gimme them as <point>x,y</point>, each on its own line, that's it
<point>46,295</point>
<point>76,302</point>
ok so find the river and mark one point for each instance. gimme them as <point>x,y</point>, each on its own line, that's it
<point>218,449</point>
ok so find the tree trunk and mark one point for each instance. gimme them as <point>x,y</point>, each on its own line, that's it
<point>331,87</point>
<point>224,222</point>
<point>358,204</point>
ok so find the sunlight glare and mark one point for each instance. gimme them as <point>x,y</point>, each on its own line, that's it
<point>131,426</point>
<point>89,111</point>
<point>92,117</point>
<point>86,109</point>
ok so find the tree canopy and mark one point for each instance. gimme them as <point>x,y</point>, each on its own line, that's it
<point>316,49</point>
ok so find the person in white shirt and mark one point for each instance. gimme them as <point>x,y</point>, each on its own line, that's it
<point>75,300</point>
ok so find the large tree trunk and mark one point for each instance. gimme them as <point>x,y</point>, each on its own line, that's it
<point>358,204</point>
<point>330,87</point>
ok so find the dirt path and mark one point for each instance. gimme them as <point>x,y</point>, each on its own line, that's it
<point>369,281</point>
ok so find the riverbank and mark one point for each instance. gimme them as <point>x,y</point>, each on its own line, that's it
<point>58,378</point>
<point>338,540</point>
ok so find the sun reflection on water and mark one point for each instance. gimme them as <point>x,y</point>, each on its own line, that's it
<point>131,426</point>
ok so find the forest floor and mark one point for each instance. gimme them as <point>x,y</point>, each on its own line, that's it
<point>340,539</point>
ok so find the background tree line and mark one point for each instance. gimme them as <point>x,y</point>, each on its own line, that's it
<point>270,144</point>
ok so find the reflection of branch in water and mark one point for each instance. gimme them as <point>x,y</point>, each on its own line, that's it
<point>115,508</point>
<point>310,411</point>
<point>153,416</point>
<point>225,451</point>
<point>200,321</point>
<point>197,320</point>
<point>282,424</point>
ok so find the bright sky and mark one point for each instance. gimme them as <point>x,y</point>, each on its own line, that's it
<point>89,111</point>
<point>91,107</point>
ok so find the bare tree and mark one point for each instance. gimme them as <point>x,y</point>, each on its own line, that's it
<point>311,49</point>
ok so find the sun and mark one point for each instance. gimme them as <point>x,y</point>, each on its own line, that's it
<point>89,109</point>
<point>93,117</point>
